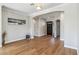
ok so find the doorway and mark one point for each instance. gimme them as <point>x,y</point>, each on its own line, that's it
<point>50,28</point>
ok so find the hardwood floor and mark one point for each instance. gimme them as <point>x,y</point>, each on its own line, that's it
<point>37,46</point>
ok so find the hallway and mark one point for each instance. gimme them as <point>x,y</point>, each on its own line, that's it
<point>37,46</point>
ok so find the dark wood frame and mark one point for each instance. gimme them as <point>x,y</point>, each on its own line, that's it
<point>16,21</point>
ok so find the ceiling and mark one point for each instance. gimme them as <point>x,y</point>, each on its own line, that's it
<point>27,8</point>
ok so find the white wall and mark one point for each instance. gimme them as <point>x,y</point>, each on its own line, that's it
<point>0,26</point>
<point>70,26</point>
<point>78,27</point>
<point>14,32</point>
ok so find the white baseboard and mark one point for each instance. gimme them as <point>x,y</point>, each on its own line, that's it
<point>40,35</point>
<point>0,45</point>
<point>62,39</point>
<point>70,47</point>
<point>14,40</point>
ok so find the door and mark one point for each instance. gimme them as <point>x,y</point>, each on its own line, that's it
<point>49,28</point>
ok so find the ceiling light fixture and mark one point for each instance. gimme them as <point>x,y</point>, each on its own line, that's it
<point>39,8</point>
<point>37,5</point>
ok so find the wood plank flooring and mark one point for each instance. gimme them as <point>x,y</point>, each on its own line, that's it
<point>38,46</point>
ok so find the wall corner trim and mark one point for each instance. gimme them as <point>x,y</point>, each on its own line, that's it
<point>70,47</point>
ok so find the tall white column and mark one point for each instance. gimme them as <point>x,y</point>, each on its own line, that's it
<point>31,27</point>
<point>0,25</point>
